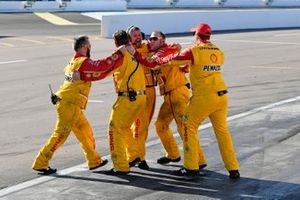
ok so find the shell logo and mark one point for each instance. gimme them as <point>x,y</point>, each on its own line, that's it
<point>213,58</point>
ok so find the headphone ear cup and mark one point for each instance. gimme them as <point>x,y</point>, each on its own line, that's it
<point>129,29</point>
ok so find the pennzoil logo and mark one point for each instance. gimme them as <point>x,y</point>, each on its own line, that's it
<point>212,68</point>
<point>213,58</point>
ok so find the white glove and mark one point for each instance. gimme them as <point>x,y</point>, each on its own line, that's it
<point>75,76</point>
<point>131,49</point>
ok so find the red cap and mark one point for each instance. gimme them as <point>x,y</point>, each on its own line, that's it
<point>202,29</point>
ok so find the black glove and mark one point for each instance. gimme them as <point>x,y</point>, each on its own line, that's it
<point>54,99</point>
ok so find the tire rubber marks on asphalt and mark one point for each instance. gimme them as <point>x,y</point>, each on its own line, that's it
<point>53,19</point>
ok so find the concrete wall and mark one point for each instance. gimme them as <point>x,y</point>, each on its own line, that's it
<point>93,5</point>
<point>245,3</point>
<point>285,3</point>
<point>197,3</point>
<point>149,3</point>
<point>59,5</point>
<point>183,21</point>
<point>210,3</point>
<point>122,5</point>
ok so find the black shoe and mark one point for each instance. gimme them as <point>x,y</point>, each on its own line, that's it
<point>46,171</point>
<point>143,165</point>
<point>166,160</point>
<point>104,162</point>
<point>134,162</point>
<point>115,172</point>
<point>234,174</point>
<point>186,172</point>
<point>202,166</point>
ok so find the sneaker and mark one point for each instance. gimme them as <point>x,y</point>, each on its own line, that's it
<point>104,162</point>
<point>143,165</point>
<point>202,166</point>
<point>115,172</point>
<point>186,172</point>
<point>46,171</point>
<point>134,162</point>
<point>234,174</point>
<point>166,160</point>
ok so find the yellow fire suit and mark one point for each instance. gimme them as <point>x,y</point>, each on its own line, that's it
<point>175,102</point>
<point>129,77</point>
<point>73,98</point>
<point>137,147</point>
<point>208,99</point>
<point>173,86</point>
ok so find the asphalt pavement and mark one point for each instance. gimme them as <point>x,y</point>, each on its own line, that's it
<point>261,69</point>
<point>268,154</point>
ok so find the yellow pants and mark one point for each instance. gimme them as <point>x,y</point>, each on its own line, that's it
<point>214,107</point>
<point>69,118</point>
<point>137,147</point>
<point>173,107</point>
<point>123,115</point>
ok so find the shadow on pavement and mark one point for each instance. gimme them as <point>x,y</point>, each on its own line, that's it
<point>212,184</point>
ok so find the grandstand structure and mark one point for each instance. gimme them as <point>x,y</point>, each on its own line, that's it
<point>123,5</point>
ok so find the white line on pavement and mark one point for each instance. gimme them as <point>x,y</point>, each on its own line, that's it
<point>43,179</point>
<point>247,41</point>
<point>12,61</point>
<point>6,44</point>
<point>95,101</point>
<point>237,116</point>
<point>274,67</point>
<point>258,42</point>
<point>82,167</point>
<point>286,34</point>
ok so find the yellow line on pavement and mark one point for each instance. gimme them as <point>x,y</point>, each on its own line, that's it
<point>97,37</point>
<point>27,40</point>
<point>60,38</point>
<point>54,19</point>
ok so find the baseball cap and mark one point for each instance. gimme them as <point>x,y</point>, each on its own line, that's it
<point>202,29</point>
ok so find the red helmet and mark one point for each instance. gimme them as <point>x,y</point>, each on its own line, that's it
<point>202,29</point>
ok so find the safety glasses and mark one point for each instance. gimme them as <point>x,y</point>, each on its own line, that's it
<point>153,39</point>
